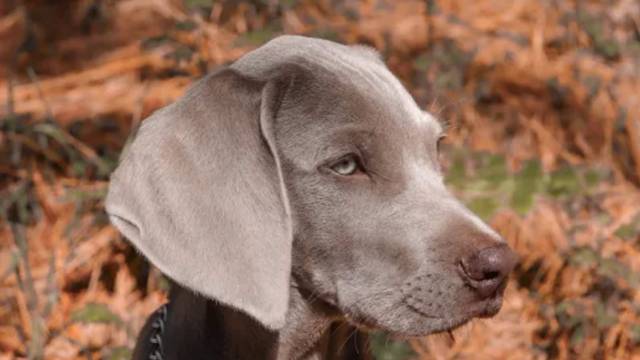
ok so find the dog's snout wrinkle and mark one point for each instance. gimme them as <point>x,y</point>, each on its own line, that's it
<point>486,271</point>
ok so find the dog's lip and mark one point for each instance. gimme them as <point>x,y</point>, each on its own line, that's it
<point>492,307</point>
<point>475,309</point>
<point>485,308</point>
<point>480,309</point>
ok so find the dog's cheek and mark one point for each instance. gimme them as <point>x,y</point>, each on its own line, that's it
<point>311,270</point>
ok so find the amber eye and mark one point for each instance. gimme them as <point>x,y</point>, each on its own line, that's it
<point>346,166</point>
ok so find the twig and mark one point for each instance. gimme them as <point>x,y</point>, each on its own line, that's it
<point>139,110</point>
<point>51,289</point>
<point>34,79</point>
<point>35,348</point>
<point>633,131</point>
<point>24,140</point>
<point>10,93</point>
<point>42,140</point>
<point>636,26</point>
<point>13,264</point>
<point>67,139</point>
<point>16,149</point>
<point>86,350</point>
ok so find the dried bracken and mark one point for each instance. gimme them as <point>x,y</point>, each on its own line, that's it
<point>544,102</point>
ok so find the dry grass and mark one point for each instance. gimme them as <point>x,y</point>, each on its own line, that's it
<point>544,98</point>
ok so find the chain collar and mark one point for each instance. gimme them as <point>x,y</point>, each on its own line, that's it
<point>158,326</point>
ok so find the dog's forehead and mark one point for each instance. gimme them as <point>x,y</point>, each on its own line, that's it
<point>356,71</point>
<point>306,52</point>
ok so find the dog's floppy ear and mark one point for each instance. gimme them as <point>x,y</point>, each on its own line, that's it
<point>201,194</point>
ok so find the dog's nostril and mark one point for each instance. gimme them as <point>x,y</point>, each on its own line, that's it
<point>491,275</point>
<point>486,270</point>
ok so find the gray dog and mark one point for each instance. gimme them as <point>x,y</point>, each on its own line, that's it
<point>297,188</point>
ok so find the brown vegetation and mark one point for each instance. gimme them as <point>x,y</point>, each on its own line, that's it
<point>543,96</point>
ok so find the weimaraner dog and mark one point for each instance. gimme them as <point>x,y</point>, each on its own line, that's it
<point>293,190</point>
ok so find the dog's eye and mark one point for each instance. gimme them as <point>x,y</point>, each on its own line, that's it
<point>439,142</point>
<point>441,164</point>
<point>346,166</point>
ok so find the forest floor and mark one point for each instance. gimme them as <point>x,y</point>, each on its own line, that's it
<point>544,102</point>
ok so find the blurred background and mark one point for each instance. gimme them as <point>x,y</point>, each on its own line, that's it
<point>543,98</point>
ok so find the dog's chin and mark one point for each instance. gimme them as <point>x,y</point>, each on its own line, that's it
<point>491,307</point>
<point>411,322</point>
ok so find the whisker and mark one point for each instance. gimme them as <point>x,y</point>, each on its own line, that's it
<point>375,295</point>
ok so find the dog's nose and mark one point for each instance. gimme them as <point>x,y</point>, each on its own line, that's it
<point>486,271</point>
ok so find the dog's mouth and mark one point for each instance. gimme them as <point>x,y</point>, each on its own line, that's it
<point>428,324</point>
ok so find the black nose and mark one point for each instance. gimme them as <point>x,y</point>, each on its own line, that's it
<point>486,271</point>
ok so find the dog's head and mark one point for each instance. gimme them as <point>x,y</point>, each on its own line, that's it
<point>308,158</point>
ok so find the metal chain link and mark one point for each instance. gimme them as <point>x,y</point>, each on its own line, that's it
<point>157,352</point>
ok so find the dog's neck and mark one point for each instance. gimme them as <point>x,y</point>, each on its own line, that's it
<point>306,322</point>
<point>197,325</point>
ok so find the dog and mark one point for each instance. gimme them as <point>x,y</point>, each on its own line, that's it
<point>297,188</point>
